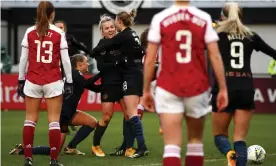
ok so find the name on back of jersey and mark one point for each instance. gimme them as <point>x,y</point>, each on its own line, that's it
<point>235,37</point>
<point>184,17</point>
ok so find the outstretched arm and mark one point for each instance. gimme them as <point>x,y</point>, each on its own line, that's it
<point>261,45</point>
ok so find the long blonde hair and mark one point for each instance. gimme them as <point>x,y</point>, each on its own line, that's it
<point>232,22</point>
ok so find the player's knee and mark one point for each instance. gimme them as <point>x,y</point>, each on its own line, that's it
<point>107,117</point>
<point>92,123</point>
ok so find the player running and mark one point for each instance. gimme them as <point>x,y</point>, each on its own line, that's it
<point>43,47</point>
<point>183,32</point>
<point>236,45</point>
<point>69,113</point>
<point>132,53</point>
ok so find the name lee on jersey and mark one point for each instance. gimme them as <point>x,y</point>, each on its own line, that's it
<point>183,17</point>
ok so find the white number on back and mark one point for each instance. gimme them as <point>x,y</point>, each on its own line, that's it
<point>49,51</point>
<point>187,47</point>
<point>238,54</point>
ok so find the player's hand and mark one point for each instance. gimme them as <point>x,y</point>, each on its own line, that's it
<point>222,100</point>
<point>148,102</point>
<point>68,90</point>
<point>20,88</point>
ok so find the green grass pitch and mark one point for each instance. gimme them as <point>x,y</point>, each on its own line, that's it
<point>262,132</point>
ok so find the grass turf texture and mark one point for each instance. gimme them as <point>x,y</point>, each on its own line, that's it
<point>262,132</point>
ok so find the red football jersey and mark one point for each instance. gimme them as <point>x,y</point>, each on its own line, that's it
<point>44,56</point>
<point>183,33</point>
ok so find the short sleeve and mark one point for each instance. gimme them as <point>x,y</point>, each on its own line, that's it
<point>25,40</point>
<point>63,42</point>
<point>154,35</point>
<point>210,34</point>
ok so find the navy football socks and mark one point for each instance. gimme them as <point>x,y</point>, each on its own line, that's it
<point>223,144</point>
<point>241,152</point>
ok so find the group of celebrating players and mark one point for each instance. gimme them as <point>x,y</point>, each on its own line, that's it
<point>182,91</point>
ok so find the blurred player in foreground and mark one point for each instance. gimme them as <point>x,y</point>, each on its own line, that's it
<point>43,47</point>
<point>69,113</point>
<point>183,32</point>
<point>236,45</point>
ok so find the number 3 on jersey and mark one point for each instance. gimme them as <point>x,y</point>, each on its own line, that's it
<point>49,51</point>
<point>237,54</point>
<point>187,47</point>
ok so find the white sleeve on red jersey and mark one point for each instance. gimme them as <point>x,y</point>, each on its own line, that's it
<point>63,42</point>
<point>23,63</point>
<point>66,65</point>
<point>154,35</point>
<point>210,34</point>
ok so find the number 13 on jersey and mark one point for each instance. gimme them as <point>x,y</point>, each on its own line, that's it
<point>40,57</point>
<point>184,47</point>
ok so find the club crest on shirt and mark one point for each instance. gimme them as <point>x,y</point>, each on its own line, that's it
<point>105,96</point>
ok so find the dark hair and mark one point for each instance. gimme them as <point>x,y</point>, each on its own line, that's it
<point>43,14</point>
<point>64,24</point>
<point>144,38</point>
<point>127,18</point>
<point>76,58</point>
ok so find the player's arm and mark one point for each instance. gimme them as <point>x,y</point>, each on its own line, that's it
<point>90,83</point>
<point>119,39</point>
<point>65,59</point>
<point>211,38</point>
<point>154,38</point>
<point>261,45</point>
<point>79,46</point>
<point>86,83</point>
<point>24,57</point>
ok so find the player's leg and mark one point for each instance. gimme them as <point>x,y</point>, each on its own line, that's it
<point>32,101</point>
<point>37,150</point>
<point>196,108</point>
<point>107,113</point>
<point>220,124</point>
<point>132,88</point>
<point>42,149</point>
<point>53,97</point>
<point>128,138</point>
<point>241,122</point>
<point>242,119</point>
<point>170,109</point>
<point>88,124</point>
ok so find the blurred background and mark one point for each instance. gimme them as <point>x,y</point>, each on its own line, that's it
<point>82,19</point>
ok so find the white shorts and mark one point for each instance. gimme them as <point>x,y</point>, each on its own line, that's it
<point>195,107</point>
<point>153,87</point>
<point>47,91</point>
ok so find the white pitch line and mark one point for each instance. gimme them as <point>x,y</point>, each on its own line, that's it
<point>207,161</point>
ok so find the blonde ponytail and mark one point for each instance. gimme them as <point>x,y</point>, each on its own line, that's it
<point>232,24</point>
